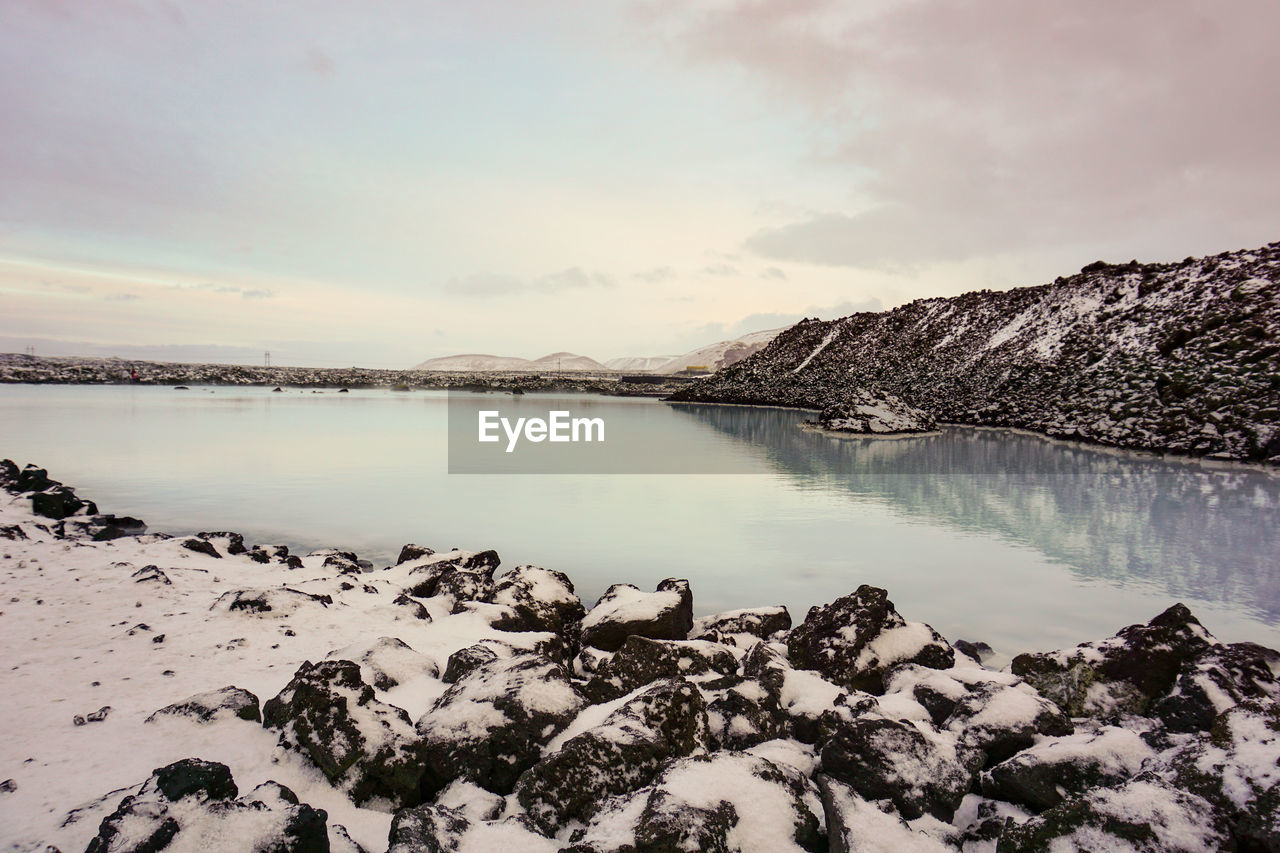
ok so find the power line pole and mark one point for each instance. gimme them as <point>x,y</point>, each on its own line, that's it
<point>267,358</point>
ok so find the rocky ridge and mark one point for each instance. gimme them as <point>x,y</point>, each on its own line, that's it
<point>441,704</point>
<point>1173,357</point>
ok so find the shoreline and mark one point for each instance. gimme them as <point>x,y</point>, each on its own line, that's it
<point>130,622</point>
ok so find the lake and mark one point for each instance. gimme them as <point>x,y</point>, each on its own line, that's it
<point>987,535</point>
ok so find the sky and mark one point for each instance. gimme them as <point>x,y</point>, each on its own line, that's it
<point>384,182</point>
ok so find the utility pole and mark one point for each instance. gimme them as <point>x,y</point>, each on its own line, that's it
<point>267,358</point>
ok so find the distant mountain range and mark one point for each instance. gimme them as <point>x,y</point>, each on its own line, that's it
<point>1179,357</point>
<point>711,357</point>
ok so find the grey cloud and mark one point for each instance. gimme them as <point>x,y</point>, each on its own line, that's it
<point>121,297</point>
<point>978,129</point>
<point>773,273</point>
<point>721,269</point>
<point>257,293</point>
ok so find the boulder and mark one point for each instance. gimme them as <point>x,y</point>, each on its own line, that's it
<point>33,479</point>
<point>866,413</point>
<point>1216,680</point>
<point>641,661</point>
<point>853,824</point>
<point>60,502</point>
<point>1142,815</point>
<point>151,574</point>
<point>410,608</point>
<point>1044,775</point>
<point>387,662</point>
<point>720,802</point>
<point>623,611</point>
<point>201,546</point>
<point>623,753</point>
<point>1124,674</point>
<point>855,640</point>
<point>9,475</point>
<point>214,705</point>
<point>743,627</point>
<point>491,724</point>
<point>462,585</point>
<point>1001,720</point>
<point>921,770</point>
<point>118,527</point>
<point>810,705</point>
<point>543,599</point>
<point>186,804</point>
<point>413,552</point>
<point>232,543</point>
<point>1237,770</point>
<point>328,714</point>
<point>279,601</point>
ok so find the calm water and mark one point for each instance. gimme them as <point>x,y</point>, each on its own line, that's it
<point>987,535</point>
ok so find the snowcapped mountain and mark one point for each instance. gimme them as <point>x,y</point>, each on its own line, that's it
<point>1178,357</point>
<point>638,363</point>
<point>720,354</point>
<point>474,362</point>
<point>566,361</point>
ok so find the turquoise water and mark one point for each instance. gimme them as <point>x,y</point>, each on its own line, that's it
<point>987,535</point>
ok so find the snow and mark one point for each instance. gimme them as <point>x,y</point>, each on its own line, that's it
<point>831,336</point>
<point>628,604</point>
<point>870,830</point>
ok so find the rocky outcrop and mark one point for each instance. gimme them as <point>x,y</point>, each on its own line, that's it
<point>623,611</point>
<point>1170,357</point>
<point>191,800</point>
<point>214,705</point>
<point>328,714</point>
<point>855,640</point>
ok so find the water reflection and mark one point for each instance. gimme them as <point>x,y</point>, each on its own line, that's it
<point>1194,530</point>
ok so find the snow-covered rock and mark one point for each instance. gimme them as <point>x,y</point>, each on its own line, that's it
<point>856,639</point>
<point>214,705</point>
<point>623,610</point>
<point>543,599</point>
<point>641,661</point>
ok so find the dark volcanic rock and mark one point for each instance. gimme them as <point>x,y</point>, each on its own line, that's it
<point>1126,673</point>
<point>214,705</point>
<point>1057,768</point>
<point>641,661</point>
<point>1173,357</point>
<point>278,602</point>
<point>59,502</point>
<point>666,614</point>
<point>856,639</point>
<point>33,479</point>
<point>490,726</point>
<point>723,802</point>
<point>1002,720</point>
<point>388,662</point>
<point>462,585</point>
<point>201,546</point>
<point>191,801</point>
<point>667,720</point>
<point>1142,815</point>
<point>920,770</point>
<point>118,527</point>
<point>413,552</point>
<point>232,543</point>
<point>543,599</point>
<point>1215,680</point>
<point>763,623</point>
<point>368,748</point>
<point>427,829</point>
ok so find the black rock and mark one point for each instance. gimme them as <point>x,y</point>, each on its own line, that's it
<point>413,552</point>
<point>763,623</point>
<point>914,767</point>
<point>1002,720</point>
<point>527,700</point>
<point>623,611</point>
<point>1054,769</point>
<point>33,479</point>
<point>622,754</point>
<point>59,502</point>
<point>839,640</point>
<point>329,714</point>
<point>641,661</point>
<point>216,704</point>
<point>119,527</point>
<point>200,546</point>
<point>543,599</point>
<point>427,829</point>
<point>233,543</point>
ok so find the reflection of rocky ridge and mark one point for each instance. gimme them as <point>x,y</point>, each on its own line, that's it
<point>1200,531</point>
<point>1178,357</point>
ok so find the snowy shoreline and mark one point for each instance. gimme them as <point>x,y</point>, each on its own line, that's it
<point>445,703</point>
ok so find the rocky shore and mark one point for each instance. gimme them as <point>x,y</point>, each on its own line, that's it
<point>1166,357</point>
<point>202,692</point>
<point>16,368</point>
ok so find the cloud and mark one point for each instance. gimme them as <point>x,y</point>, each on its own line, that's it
<point>655,275</point>
<point>773,273</point>
<point>121,297</point>
<point>257,293</point>
<point>969,129</point>
<point>721,269</point>
<point>496,284</point>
